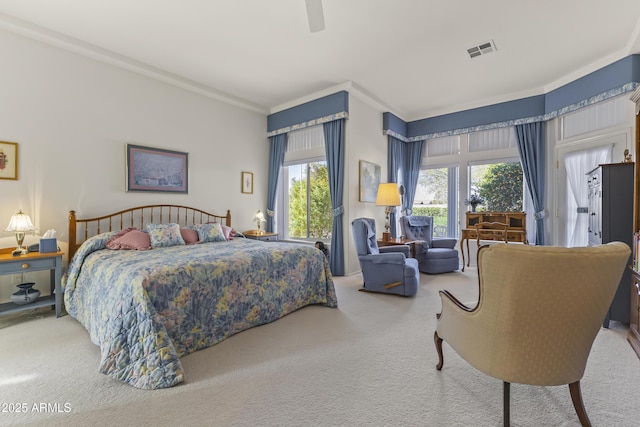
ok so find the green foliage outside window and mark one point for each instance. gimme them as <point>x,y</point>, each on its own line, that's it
<point>310,204</point>
<point>439,214</point>
<point>501,186</point>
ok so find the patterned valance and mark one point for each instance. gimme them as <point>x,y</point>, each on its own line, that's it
<point>635,97</point>
<point>628,87</point>
<point>298,126</point>
<point>322,110</point>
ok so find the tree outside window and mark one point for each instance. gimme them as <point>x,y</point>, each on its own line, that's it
<point>500,185</point>
<point>309,204</point>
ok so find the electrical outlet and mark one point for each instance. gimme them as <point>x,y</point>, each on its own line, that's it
<point>16,279</point>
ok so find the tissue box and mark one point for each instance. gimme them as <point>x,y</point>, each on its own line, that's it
<point>49,245</point>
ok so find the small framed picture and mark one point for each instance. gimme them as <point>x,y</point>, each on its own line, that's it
<point>8,160</point>
<point>247,182</point>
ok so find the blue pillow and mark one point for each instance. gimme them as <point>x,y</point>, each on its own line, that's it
<point>165,235</point>
<point>210,232</point>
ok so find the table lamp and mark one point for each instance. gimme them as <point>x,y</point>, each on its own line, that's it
<point>19,224</point>
<point>389,196</point>
<point>259,218</point>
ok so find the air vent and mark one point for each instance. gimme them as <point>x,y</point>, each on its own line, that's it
<point>482,49</point>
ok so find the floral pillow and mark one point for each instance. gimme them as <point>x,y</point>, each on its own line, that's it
<point>164,235</point>
<point>130,238</point>
<point>211,232</point>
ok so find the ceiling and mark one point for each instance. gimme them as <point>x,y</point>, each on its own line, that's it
<point>406,56</point>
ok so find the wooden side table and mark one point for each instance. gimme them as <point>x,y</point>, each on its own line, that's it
<point>263,235</point>
<point>34,261</point>
<point>400,241</point>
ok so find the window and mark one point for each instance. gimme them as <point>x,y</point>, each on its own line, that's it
<point>304,202</point>
<point>308,208</point>
<point>501,185</point>
<point>436,196</point>
<point>478,160</point>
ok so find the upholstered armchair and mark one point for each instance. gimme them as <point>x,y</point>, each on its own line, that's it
<point>435,255</point>
<point>539,311</point>
<point>386,269</point>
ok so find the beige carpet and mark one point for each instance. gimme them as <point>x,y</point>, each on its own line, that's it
<point>371,362</point>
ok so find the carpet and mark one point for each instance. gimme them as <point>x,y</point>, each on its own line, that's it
<point>370,362</point>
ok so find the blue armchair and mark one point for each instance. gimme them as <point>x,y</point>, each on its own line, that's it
<point>387,269</point>
<point>435,255</point>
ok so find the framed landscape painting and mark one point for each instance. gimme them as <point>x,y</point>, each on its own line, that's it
<point>155,169</point>
<point>369,181</point>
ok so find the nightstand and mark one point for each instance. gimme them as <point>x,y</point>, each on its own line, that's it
<point>400,241</point>
<point>34,261</point>
<point>264,235</point>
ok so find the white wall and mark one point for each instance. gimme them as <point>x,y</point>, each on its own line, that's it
<point>364,141</point>
<point>72,117</point>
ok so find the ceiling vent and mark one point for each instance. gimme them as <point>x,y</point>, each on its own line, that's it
<point>482,49</point>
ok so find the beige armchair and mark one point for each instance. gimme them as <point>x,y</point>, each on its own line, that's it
<point>539,311</point>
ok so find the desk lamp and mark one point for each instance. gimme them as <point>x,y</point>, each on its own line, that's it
<point>19,224</point>
<point>259,218</point>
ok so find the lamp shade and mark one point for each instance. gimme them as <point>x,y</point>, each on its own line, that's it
<point>259,216</point>
<point>388,195</point>
<point>20,222</point>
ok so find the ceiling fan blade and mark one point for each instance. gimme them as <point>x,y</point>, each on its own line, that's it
<point>315,15</point>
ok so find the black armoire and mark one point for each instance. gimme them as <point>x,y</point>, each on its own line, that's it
<point>611,219</point>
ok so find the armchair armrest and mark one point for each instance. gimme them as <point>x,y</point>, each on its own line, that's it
<point>404,249</point>
<point>444,242</point>
<point>390,258</point>
<point>455,301</point>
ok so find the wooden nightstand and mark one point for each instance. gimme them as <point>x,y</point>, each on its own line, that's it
<point>399,241</point>
<point>34,261</point>
<point>264,235</point>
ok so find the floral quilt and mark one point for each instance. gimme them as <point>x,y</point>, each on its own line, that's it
<point>146,309</point>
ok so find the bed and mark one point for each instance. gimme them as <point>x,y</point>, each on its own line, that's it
<point>147,308</point>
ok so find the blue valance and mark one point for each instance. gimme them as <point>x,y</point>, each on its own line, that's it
<point>322,110</point>
<point>615,79</point>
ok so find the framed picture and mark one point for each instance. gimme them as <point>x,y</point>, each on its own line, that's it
<point>8,160</point>
<point>155,169</point>
<point>369,181</point>
<point>247,182</point>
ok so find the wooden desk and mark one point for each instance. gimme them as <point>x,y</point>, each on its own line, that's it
<point>399,241</point>
<point>470,233</point>
<point>517,231</point>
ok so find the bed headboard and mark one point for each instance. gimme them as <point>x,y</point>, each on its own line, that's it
<point>81,229</point>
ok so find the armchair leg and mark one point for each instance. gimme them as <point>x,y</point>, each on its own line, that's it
<point>438,341</point>
<point>506,391</point>
<point>578,404</point>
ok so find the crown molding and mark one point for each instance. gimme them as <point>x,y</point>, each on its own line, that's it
<point>88,50</point>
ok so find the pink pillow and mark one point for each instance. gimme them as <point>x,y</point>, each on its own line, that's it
<point>131,238</point>
<point>228,232</point>
<point>189,236</point>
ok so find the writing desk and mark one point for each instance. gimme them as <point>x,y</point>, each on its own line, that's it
<point>517,231</point>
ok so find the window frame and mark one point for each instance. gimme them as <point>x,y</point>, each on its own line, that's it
<point>282,206</point>
<point>462,160</point>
